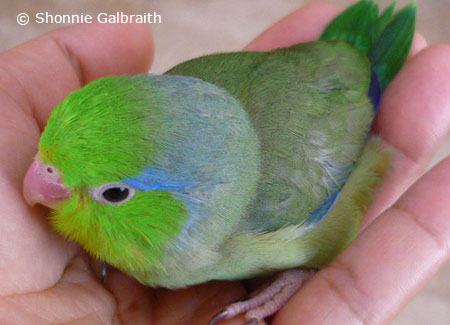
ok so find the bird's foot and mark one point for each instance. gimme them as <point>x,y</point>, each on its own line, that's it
<point>268,301</point>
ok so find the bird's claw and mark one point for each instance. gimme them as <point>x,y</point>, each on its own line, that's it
<point>104,272</point>
<point>268,301</point>
<point>224,314</point>
<point>218,317</point>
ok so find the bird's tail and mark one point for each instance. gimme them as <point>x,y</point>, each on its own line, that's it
<point>385,38</point>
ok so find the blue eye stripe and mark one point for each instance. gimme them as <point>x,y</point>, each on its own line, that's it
<point>153,179</point>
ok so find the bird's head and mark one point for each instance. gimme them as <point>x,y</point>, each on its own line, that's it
<point>117,155</point>
<point>96,139</point>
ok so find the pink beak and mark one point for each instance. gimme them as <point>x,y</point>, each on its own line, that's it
<point>43,185</point>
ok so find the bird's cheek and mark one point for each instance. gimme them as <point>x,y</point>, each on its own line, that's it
<point>43,185</point>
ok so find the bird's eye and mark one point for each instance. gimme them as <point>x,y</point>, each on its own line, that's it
<point>114,193</point>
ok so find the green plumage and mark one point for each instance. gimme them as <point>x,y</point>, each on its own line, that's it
<point>244,163</point>
<point>386,39</point>
<point>303,126</point>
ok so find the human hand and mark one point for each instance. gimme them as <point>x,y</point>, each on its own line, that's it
<point>44,279</point>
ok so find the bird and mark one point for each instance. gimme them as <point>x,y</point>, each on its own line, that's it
<point>230,165</point>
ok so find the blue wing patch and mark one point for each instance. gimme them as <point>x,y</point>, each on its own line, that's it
<point>321,211</point>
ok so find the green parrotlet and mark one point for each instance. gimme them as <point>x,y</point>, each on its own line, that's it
<point>230,165</point>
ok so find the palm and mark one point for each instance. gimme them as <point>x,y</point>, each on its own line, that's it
<point>45,279</point>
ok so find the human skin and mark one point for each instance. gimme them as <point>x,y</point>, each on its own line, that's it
<point>405,236</point>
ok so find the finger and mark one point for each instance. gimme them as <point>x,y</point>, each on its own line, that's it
<point>386,265</point>
<point>41,73</point>
<point>197,304</point>
<point>303,25</point>
<point>77,298</point>
<point>134,301</point>
<point>413,120</point>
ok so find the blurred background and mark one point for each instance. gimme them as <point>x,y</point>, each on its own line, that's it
<point>190,28</point>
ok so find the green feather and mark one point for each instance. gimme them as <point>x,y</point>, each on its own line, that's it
<point>132,237</point>
<point>382,21</point>
<point>97,142</point>
<point>257,253</point>
<point>354,25</point>
<point>386,39</point>
<point>392,47</point>
<point>299,100</point>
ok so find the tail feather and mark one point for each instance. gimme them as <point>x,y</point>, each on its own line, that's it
<point>382,21</point>
<point>386,39</point>
<point>354,25</point>
<point>392,47</point>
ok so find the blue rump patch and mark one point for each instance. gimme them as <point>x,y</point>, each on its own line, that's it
<point>375,91</point>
